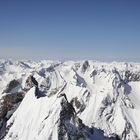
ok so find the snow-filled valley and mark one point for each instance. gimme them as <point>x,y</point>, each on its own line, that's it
<point>72,100</point>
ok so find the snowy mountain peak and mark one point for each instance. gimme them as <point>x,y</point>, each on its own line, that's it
<point>71,100</point>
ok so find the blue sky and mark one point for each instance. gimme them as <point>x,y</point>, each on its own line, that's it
<point>105,30</point>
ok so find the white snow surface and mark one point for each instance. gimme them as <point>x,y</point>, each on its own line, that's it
<point>106,102</point>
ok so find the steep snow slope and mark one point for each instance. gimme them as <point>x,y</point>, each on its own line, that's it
<point>102,100</point>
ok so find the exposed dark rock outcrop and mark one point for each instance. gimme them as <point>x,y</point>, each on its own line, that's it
<point>8,104</point>
<point>13,84</point>
<point>71,127</point>
<point>130,76</point>
<point>80,81</point>
<point>85,66</point>
<point>30,82</point>
<point>80,105</point>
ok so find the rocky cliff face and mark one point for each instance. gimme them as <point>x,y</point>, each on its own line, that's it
<point>69,101</point>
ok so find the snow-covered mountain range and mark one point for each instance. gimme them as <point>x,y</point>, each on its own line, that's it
<point>72,100</point>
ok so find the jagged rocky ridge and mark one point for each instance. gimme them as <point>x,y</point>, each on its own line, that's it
<point>104,97</point>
